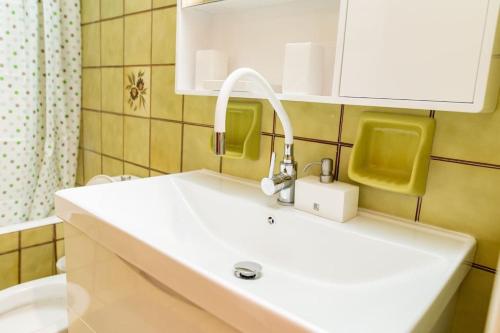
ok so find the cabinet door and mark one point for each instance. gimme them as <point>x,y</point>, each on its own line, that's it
<point>425,50</point>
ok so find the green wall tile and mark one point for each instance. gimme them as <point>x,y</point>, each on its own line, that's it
<point>473,301</point>
<point>465,198</point>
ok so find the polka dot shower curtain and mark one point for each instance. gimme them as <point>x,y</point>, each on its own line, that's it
<point>39,104</point>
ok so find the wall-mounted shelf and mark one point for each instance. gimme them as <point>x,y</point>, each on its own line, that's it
<point>376,52</point>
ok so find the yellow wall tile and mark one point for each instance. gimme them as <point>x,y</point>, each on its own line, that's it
<point>111,8</point>
<point>91,36</point>
<point>60,248</point>
<point>196,149</point>
<point>91,88</point>
<point>305,152</point>
<point>138,39</point>
<point>36,236</point>
<point>496,48</point>
<point>37,262</point>
<point>112,135</point>
<point>9,242</point>
<point>90,10</point>
<point>112,42</point>
<point>59,230</point>
<point>199,109</point>
<point>154,173</point>
<point>132,6</point>
<point>466,199</point>
<point>318,121</point>
<point>474,137</point>
<point>136,140</point>
<point>386,202</point>
<point>165,103</point>
<point>79,170</point>
<point>92,130</point>
<point>9,269</point>
<point>112,90</point>
<point>112,167</point>
<point>91,165</point>
<point>137,91</point>
<point>134,170</point>
<point>250,169</point>
<point>161,3</point>
<point>164,36</point>
<point>166,140</point>
<point>473,301</point>
<point>353,113</point>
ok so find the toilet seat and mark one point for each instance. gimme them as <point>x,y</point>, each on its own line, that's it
<point>35,306</point>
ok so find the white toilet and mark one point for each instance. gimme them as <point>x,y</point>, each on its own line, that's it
<point>35,306</point>
<point>40,306</point>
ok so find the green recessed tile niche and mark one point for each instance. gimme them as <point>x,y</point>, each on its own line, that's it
<point>392,152</point>
<point>243,123</point>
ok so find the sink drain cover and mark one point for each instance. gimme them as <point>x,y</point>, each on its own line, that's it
<point>247,270</point>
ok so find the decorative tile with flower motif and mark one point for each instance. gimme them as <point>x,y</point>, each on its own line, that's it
<point>137,91</point>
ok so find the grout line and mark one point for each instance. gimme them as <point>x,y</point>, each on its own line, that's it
<point>198,124</point>
<point>418,209</point>
<point>484,268</point>
<point>465,162</point>
<point>100,92</point>
<point>54,242</point>
<point>301,138</point>
<point>18,257</point>
<point>341,123</point>
<point>28,247</point>
<point>181,166</point>
<point>150,86</point>
<point>336,171</point>
<point>133,65</point>
<point>123,91</point>
<point>127,14</point>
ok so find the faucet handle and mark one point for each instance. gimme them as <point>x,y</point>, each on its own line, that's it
<point>271,166</point>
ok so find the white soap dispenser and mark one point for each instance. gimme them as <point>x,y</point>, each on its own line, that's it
<point>325,197</point>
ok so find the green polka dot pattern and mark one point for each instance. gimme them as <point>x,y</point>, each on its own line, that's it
<point>39,104</point>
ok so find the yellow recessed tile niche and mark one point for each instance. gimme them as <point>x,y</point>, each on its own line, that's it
<point>392,152</point>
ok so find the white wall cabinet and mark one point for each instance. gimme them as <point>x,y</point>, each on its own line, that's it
<point>428,54</point>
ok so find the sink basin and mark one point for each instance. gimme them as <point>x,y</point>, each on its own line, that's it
<point>372,274</point>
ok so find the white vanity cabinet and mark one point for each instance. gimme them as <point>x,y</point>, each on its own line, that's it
<point>428,54</point>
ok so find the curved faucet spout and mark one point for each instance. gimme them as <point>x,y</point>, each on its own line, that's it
<point>223,99</point>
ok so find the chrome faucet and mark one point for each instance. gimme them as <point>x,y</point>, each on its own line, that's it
<point>284,181</point>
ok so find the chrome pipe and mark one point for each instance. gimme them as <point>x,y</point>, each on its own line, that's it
<point>220,143</point>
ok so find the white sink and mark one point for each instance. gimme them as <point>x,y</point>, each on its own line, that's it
<point>371,274</point>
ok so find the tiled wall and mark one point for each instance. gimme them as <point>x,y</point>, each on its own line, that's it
<point>30,254</point>
<point>171,134</point>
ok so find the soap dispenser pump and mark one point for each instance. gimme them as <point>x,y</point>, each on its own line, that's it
<point>326,175</point>
<point>325,197</point>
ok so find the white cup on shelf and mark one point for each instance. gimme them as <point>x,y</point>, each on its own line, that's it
<point>210,65</point>
<point>303,69</point>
